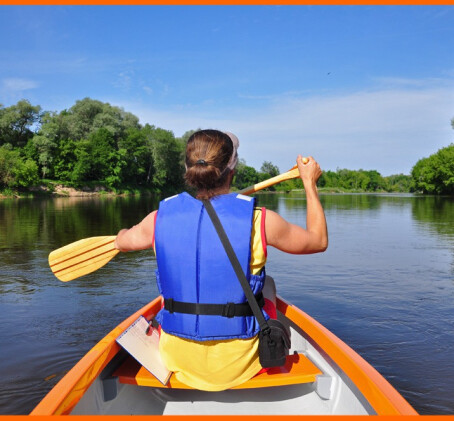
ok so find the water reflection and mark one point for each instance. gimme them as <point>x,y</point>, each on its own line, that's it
<point>268,200</point>
<point>436,213</point>
<point>358,201</point>
<point>53,221</point>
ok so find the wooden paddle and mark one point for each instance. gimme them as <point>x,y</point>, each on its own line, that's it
<point>85,256</point>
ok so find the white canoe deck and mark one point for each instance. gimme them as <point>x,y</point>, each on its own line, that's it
<point>320,390</point>
<point>137,400</point>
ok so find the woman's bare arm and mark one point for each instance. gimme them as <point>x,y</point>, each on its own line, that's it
<point>292,238</point>
<point>139,237</point>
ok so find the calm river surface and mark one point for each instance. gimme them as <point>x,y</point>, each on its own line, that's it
<point>385,286</point>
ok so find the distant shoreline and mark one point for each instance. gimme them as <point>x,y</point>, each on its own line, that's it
<point>61,190</point>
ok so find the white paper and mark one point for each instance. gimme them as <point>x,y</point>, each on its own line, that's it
<point>145,348</point>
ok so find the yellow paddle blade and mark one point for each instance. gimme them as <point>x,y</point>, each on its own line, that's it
<point>82,257</point>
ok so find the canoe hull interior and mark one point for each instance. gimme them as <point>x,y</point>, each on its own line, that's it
<point>283,400</point>
<point>347,386</point>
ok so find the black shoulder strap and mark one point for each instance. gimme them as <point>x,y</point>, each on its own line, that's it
<point>236,264</point>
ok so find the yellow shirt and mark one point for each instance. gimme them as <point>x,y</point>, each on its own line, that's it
<point>217,365</point>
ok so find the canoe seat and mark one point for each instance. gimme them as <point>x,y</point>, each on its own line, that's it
<point>297,369</point>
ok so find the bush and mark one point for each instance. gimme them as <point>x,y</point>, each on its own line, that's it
<point>435,174</point>
<point>16,171</point>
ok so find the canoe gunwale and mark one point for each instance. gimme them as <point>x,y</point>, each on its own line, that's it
<point>382,397</point>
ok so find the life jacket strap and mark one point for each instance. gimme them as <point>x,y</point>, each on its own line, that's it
<point>225,310</point>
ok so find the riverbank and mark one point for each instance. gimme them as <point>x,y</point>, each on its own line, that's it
<point>53,189</point>
<point>338,190</point>
<point>60,190</point>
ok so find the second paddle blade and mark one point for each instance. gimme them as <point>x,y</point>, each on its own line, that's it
<point>82,257</point>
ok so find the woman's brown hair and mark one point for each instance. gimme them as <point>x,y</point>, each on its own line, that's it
<point>207,154</point>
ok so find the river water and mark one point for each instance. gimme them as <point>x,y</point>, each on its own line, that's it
<point>385,286</point>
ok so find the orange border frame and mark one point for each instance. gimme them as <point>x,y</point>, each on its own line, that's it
<point>225,3</point>
<point>290,309</point>
<point>380,394</point>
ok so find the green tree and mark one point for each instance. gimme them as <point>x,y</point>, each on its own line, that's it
<point>245,176</point>
<point>168,169</point>
<point>45,150</point>
<point>270,169</point>
<point>105,159</point>
<point>398,183</point>
<point>16,122</point>
<point>88,142</point>
<point>435,174</point>
<point>65,159</point>
<point>353,180</point>
<point>98,159</point>
<point>376,181</point>
<point>138,159</point>
<point>328,179</point>
<point>15,171</point>
<point>82,168</point>
<point>87,116</point>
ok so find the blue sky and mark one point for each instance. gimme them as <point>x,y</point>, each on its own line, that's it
<point>354,86</point>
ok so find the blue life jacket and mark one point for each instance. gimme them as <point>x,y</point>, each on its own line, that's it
<point>193,266</point>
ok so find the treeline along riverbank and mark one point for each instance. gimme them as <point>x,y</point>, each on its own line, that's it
<point>94,147</point>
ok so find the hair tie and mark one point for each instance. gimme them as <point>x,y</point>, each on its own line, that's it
<point>201,162</point>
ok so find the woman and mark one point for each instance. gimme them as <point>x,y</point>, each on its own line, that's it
<point>208,333</point>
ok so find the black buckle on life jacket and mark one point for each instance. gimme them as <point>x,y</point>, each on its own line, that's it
<point>229,310</point>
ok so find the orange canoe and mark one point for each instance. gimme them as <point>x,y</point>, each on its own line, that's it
<point>322,376</point>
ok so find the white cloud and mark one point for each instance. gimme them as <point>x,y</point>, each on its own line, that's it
<point>14,89</point>
<point>387,130</point>
<point>124,80</point>
<point>400,82</point>
<point>18,85</point>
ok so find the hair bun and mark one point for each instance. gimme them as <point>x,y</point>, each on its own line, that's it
<point>208,153</point>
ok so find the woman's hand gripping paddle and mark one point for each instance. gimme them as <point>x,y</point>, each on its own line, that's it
<point>85,256</point>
